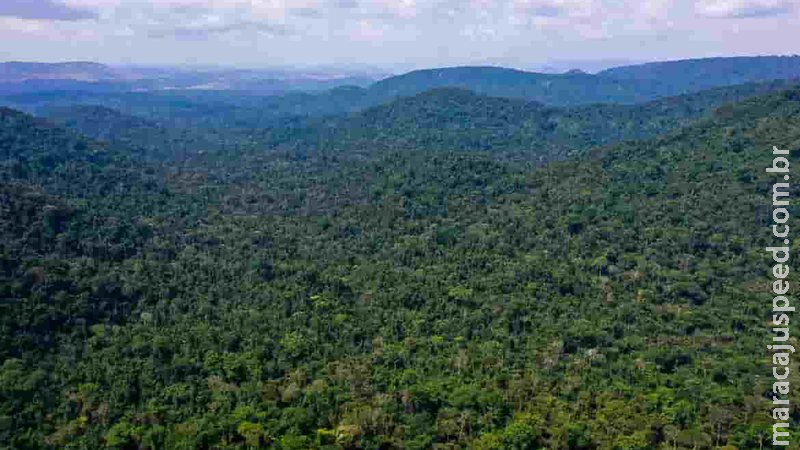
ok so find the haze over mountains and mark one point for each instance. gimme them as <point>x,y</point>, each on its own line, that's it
<point>257,99</point>
<point>624,84</point>
<point>32,76</point>
<point>469,108</point>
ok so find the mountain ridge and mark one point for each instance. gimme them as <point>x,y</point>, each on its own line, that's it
<point>460,119</point>
<point>625,84</point>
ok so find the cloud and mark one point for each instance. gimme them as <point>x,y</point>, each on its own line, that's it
<point>743,8</point>
<point>206,31</point>
<point>368,31</point>
<point>346,4</point>
<point>43,10</point>
<point>17,30</point>
<point>555,8</point>
<point>418,32</point>
<point>200,19</point>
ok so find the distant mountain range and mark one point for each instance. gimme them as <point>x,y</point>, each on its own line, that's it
<point>21,77</point>
<point>218,99</point>
<point>20,72</point>
<point>624,84</point>
<point>437,119</point>
<point>459,119</point>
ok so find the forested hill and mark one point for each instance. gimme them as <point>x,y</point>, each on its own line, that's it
<point>627,84</point>
<point>458,119</point>
<point>407,299</point>
<point>224,108</point>
<point>100,122</point>
<point>571,88</point>
<point>34,147</point>
<point>440,119</point>
<point>37,152</point>
<point>135,135</point>
<point>703,73</point>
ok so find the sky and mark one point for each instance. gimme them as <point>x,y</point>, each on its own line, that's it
<point>392,33</point>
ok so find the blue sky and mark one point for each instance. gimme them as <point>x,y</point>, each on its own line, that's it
<point>392,33</point>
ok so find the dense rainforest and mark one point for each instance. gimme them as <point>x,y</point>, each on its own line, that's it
<point>446,270</point>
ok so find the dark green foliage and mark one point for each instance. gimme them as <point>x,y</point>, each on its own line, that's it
<point>457,119</point>
<point>32,147</point>
<point>137,136</point>
<point>397,296</point>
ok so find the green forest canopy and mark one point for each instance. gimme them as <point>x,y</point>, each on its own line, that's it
<point>396,296</point>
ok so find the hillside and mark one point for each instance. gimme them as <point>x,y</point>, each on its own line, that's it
<point>254,99</point>
<point>46,169</point>
<point>559,89</point>
<point>626,84</point>
<point>703,73</point>
<point>457,119</point>
<point>623,85</point>
<point>100,122</point>
<point>416,298</point>
<point>28,144</point>
<point>440,119</point>
<point>137,136</point>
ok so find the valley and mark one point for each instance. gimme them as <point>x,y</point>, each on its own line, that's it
<point>446,268</point>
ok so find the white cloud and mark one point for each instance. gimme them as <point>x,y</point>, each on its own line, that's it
<point>556,8</point>
<point>23,26</point>
<point>377,31</point>
<point>14,29</point>
<point>743,8</point>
